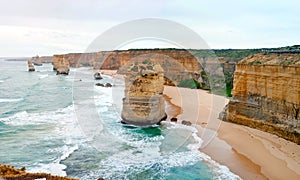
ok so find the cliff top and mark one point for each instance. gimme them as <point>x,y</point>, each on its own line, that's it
<point>9,172</point>
<point>287,59</point>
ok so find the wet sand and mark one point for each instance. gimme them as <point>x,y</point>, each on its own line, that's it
<point>249,153</point>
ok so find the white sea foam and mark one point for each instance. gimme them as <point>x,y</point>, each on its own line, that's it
<point>219,171</point>
<point>43,76</point>
<point>24,118</point>
<point>5,100</point>
<point>66,130</point>
<point>56,168</point>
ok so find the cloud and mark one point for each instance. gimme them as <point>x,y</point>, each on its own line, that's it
<point>36,26</point>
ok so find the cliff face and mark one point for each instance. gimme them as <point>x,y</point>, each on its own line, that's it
<point>266,94</point>
<point>177,64</point>
<point>144,103</point>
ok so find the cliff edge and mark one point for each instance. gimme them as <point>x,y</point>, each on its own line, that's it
<point>8,172</point>
<point>266,94</point>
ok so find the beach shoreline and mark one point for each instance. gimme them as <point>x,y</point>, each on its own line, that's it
<point>253,155</point>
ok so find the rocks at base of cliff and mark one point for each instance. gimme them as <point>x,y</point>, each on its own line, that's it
<point>187,123</point>
<point>173,119</point>
<point>102,85</point>
<point>30,66</point>
<point>98,76</point>
<point>99,84</point>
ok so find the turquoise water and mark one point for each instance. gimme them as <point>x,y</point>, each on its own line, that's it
<point>43,127</point>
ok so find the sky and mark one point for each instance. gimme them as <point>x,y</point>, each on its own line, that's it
<point>47,27</point>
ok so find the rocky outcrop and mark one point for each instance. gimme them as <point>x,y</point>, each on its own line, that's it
<point>266,94</point>
<point>143,104</point>
<point>61,65</point>
<point>30,66</point>
<point>97,76</point>
<point>8,172</point>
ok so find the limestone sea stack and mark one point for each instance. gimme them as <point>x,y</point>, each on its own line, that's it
<point>266,94</point>
<point>61,65</point>
<point>30,66</point>
<point>144,104</point>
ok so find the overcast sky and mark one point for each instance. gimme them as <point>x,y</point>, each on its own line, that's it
<point>46,27</point>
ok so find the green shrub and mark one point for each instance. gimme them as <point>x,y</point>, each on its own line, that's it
<point>146,61</point>
<point>189,83</point>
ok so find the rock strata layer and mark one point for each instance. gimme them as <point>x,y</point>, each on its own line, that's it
<point>266,94</point>
<point>143,104</point>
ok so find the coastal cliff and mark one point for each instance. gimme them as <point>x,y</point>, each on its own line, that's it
<point>266,94</point>
<point>178,64</point>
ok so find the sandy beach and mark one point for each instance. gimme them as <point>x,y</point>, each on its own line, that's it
<point>249,153</point>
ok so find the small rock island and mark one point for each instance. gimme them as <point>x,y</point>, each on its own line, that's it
<point>30,66</point>
<point>144,104</point>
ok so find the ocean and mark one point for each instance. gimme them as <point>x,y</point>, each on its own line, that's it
<point>67,126</point>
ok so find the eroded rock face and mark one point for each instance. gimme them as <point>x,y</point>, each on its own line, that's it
<point>143,104</point>
<point>30,66</point>
<point>61,65</point>
<point>266,95</point>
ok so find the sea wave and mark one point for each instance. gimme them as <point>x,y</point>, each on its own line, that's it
<point>56,168</point>
<point>25,118</point>
<point>5,100</point>
<point>62,128</point>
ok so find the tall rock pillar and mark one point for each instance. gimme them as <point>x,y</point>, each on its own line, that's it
<point>143,104</point>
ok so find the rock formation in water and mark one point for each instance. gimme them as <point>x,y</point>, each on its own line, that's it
<point>30,66</point>
<point>61,65</point>
<point>97,76</point>
<point>143,104</point>
<point>8,172</point>
<point>266,94</point>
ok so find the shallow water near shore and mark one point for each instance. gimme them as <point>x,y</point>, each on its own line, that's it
<point>40,129</point>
